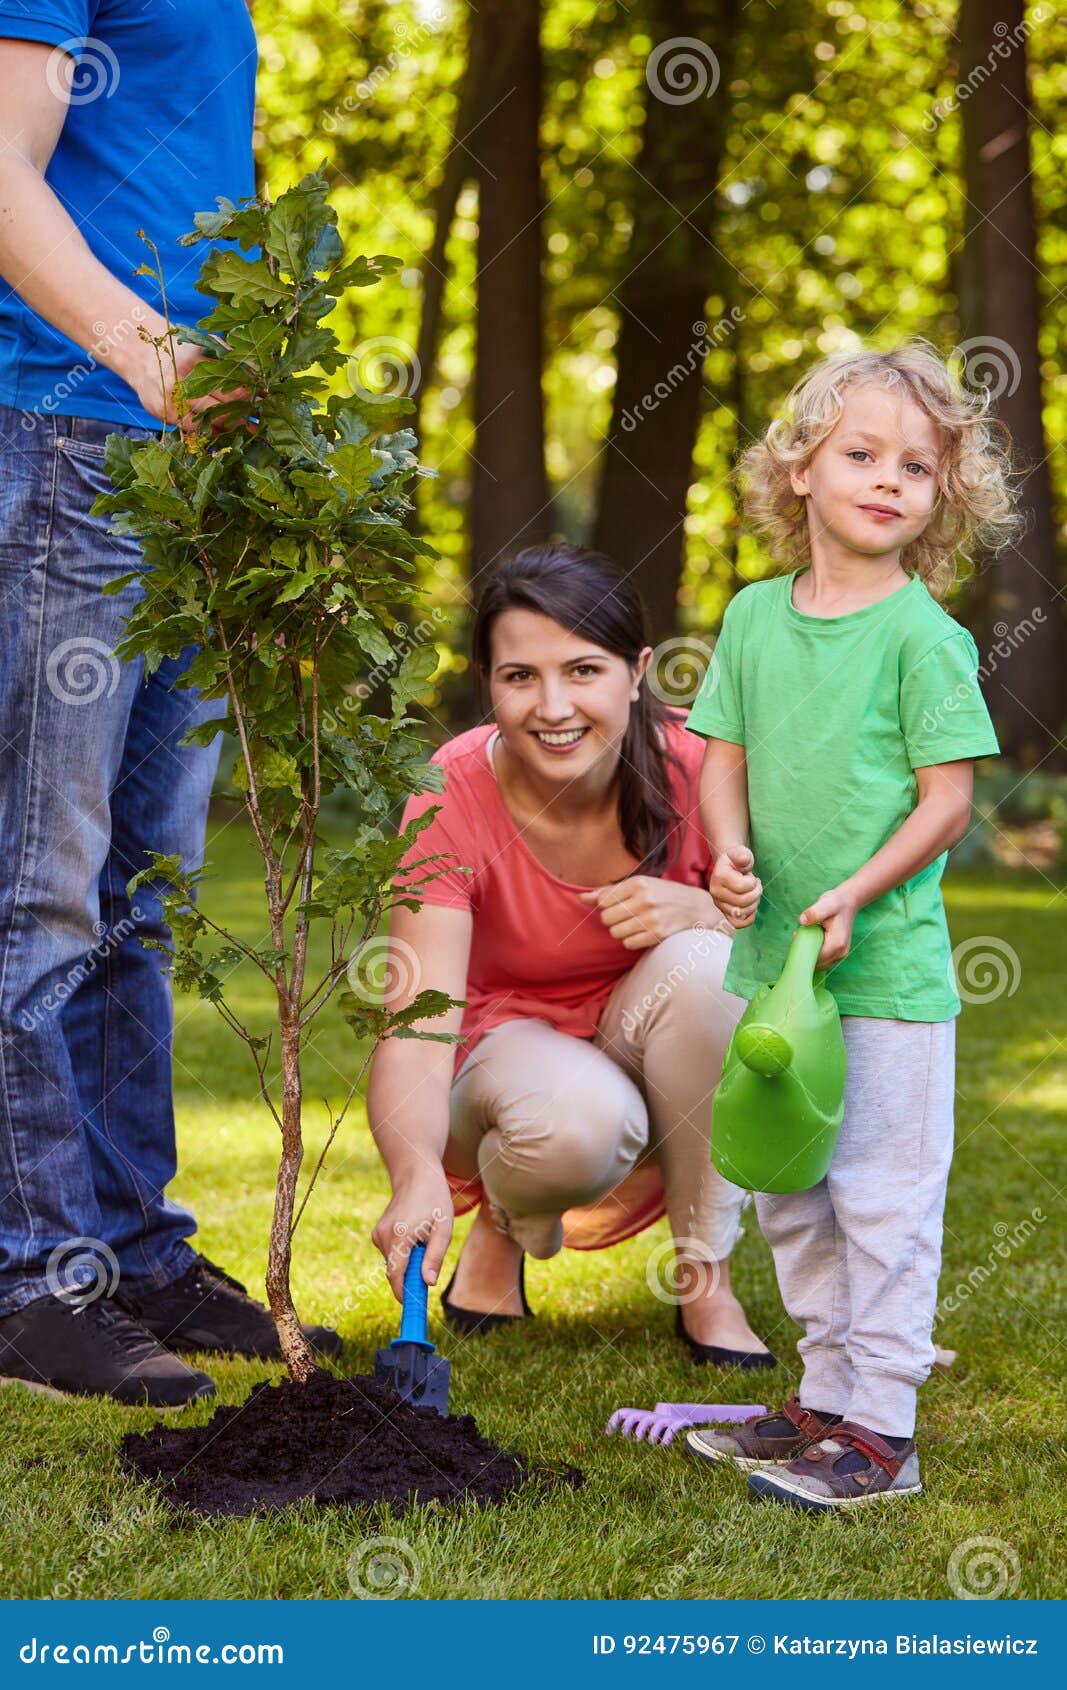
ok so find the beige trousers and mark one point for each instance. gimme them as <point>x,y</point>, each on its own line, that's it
<point>551,1122</point>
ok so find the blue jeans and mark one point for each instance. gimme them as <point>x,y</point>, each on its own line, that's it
<point>93,777</point>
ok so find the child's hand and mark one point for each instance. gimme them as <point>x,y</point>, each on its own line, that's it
<point>734,888</point>
<point>834,912</point>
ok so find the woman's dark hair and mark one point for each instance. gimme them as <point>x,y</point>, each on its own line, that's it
<point>584,592</point>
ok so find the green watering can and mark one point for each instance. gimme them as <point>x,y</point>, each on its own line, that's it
<point>778,1106</point>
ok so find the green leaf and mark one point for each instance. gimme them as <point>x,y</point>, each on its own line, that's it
<point>151,465</point>
<point>246,279</point>
<point>209,343</point>
<point>411,679</point>
<point>299,583</point>
<point>353,467</point>
<point>296,226</point>
<point>363,272</point>
<point>268,485</point>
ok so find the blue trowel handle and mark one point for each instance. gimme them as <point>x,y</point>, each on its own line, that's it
<point>413,1316</point>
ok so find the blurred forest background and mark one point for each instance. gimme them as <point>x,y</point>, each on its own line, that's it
<point>627,228</point>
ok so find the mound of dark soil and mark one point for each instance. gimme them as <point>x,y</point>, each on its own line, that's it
<point>333,1440</point>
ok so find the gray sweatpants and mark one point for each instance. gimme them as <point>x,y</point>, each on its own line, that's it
<point>858,1256</point>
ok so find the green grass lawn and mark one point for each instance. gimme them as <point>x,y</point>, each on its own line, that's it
<point>648,1523</point>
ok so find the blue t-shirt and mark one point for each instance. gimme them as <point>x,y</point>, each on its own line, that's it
<point>159,126</point>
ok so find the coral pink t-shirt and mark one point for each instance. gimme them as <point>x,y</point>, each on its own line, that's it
<point>536,949</point>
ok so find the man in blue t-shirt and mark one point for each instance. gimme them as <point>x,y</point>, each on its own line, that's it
<point>115,116</point>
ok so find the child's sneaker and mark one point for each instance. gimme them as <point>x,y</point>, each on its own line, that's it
<point>773,1438</point>
<point>846,1469</point>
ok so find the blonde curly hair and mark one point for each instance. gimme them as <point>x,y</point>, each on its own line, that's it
<point>976,497</point>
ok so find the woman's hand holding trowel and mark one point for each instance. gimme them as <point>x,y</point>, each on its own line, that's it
<point>419,1212</point>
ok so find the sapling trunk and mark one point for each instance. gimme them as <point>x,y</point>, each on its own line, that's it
<point>296,1350</point>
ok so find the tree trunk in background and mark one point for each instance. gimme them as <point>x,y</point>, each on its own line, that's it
<point>999,315</point>
<point>671,269</point>
<point>509,489</point>
<point>458,166</point>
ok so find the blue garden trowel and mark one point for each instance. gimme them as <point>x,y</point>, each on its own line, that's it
<point>411,1365</point>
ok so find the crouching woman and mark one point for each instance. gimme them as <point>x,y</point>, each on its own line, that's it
<point>577,1108</point>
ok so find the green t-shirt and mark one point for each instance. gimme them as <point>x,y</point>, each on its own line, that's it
<point>835,715</point>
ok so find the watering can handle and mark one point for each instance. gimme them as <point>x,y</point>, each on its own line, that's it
<point>413,1315</point>
<point>809,950</point>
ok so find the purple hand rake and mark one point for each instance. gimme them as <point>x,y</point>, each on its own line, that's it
<point>659,1424</point>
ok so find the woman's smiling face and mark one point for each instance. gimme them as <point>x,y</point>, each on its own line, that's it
<point>561,702</point>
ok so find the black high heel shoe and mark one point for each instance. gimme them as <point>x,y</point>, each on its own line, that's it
<point>712,1355</point>
<point>469,1321</point>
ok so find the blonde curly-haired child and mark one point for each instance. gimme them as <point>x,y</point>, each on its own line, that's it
<point>842,712</point>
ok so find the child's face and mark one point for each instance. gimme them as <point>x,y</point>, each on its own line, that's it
<point>871,485</point>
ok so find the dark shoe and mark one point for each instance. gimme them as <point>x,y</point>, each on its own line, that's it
<point>773,1437</point>
<point>469,1321</point>
<point>711,1355</point>
<point>850,1466</point>
<point>94,1350</point>
<point>206,1309</point>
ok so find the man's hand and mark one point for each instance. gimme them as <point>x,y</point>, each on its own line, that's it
<point>146,365</point>
<point>835,913</point>
<point>643,909</point>
<point>420,1211</point>
<point>734,887</point>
